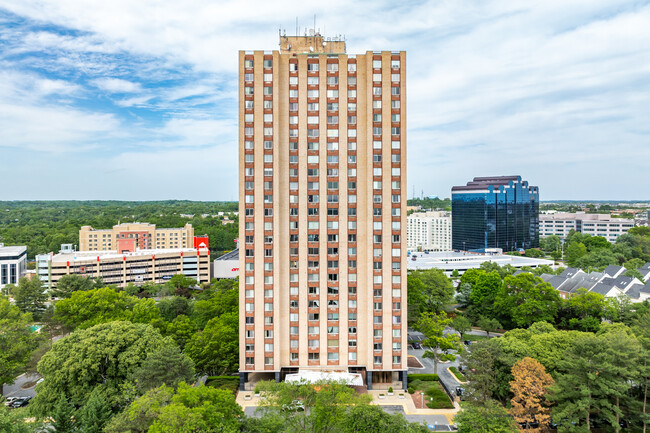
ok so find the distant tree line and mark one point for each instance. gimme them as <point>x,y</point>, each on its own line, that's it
<point>44,225</point>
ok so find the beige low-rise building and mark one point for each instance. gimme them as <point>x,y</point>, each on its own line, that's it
<point>141,235</point>
<point>121,269</point>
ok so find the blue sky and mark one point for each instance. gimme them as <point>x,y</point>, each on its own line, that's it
<point>136,100</point>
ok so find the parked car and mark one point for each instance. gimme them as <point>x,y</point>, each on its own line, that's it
<point>10,400</point>
<point>20,402</point>
<point>460,392</point>
<point>417,346</point>
<point>294,406</point>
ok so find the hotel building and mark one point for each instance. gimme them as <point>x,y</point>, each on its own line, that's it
<point>322,162</point>
<point>138,235</point>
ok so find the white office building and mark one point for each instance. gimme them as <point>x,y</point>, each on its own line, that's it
<point>428,231</point>
<point>561,223</point>
<point>13,264</point>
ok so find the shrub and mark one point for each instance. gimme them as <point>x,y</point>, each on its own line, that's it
<point>423,377</point>
<point>460,376</point>
<point>411,390</point>
<point>230,383</point>
<point>438,398</point>
<point>390,389</point>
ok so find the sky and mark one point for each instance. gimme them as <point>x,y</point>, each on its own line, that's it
<point>137,100</point>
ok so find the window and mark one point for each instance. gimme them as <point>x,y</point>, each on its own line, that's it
<point>376,64</point>
<point>312,66</point>
<point>332,67</point>
<point>268,63</point>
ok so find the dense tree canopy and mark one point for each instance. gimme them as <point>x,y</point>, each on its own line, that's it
<point>103,356</point>
<point>17,341</point>
<point>87,308</point>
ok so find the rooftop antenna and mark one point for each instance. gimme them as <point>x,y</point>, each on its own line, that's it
<point>314,23</point>
<point>297,26</point>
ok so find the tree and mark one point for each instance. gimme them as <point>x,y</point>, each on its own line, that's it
<point>63,416</point>
<point>593,379</point>
<point>17,341</point>
<point>140,414</point>
<point>181,284</point>
<point>373,419</point>
<point>433,325</point>
<point>486,417</point>
<point>219,301</point>
<point>104,356</point>
<point>88,308</point>
<point>94,415</point>
<point>68,284</point>
<point>429,290</point>
<point>640,231</point>
<point>574,251</point>
<point>530,386</point>
<point>595,243</point>
<point>29,296</point>
<point>14,422</point>
<point>526,299</point>
<point>641,328</point>
<point>165,366</point>
<point>324,404</point>
<point>550,243</point>
<point>174,306</point>
<point>462,325</point>
<point>181,330</point>
<point>187,410</point>
<point>482,370</point>
<point>484,292</point>
<point>215,350</point>
<point>488,325</point>
<point>633,264</point>
<point>200,409</point>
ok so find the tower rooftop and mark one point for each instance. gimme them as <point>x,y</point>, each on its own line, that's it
<point>313,42</point>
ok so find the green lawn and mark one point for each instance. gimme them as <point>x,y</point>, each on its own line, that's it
<point>437,397</point>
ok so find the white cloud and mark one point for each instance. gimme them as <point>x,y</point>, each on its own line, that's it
<point>541,89</point>
<point>117,85</point>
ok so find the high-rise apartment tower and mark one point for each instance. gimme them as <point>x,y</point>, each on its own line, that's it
<point>322,163</point>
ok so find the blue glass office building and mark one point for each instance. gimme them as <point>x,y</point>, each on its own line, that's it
<point>495,212</point>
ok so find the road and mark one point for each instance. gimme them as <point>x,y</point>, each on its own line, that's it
<point>16,390</point>
<point>445,376</point>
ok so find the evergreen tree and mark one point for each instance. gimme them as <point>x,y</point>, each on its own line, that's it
<point>63,416</point>
<point>94,415</point>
